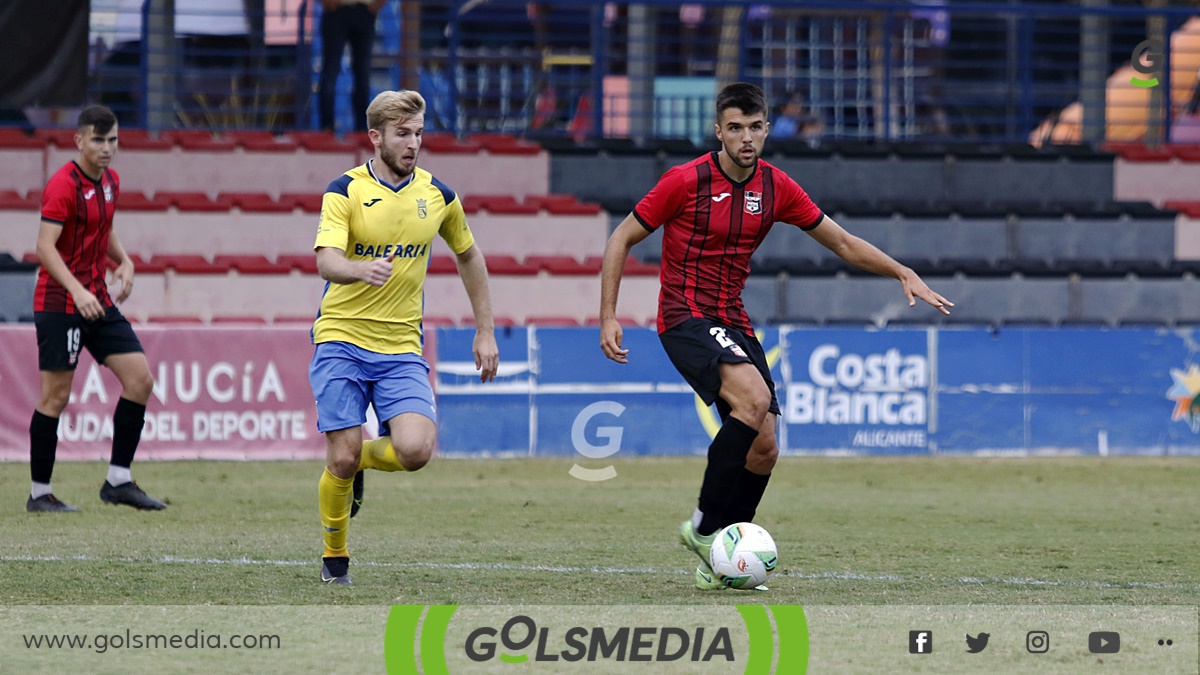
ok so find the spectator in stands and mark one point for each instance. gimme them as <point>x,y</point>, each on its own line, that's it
<point>794,121</point>
<point>353,22</point>
<point>73,310</point>
<point>373,244</point>
<point>715,211</point>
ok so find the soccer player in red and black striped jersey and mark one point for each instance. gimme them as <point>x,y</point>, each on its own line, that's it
<point>714,212</point>
<point>73,310</point>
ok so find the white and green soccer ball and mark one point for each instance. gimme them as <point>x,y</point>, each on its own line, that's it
<point>743,555</point>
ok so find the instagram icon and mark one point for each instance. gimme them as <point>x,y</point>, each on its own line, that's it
<point>1037,641</point>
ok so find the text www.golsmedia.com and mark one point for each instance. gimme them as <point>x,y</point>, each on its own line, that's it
<point>197,639</point>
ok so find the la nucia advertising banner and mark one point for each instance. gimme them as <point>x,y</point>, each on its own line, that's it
<point>243,393</point>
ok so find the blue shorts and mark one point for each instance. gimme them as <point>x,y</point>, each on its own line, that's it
<point>345,378</point>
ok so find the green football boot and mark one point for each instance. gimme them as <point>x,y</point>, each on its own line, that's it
<point>706,580</point>
<point>696,542</point>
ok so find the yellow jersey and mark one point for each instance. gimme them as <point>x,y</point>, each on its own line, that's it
<point>367,218</point>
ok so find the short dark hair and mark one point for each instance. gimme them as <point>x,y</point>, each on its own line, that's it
<point>100,118</point>
<point>749,98</point>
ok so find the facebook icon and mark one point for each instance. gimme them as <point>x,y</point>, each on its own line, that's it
<point>920,641</point>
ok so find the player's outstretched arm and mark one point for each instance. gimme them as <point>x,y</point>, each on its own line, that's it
<point>472,268</point>
<point>861,253</point>
<point>628,233</point>
<point>335,267</point>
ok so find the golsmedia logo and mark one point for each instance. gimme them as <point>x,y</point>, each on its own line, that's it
<point>668,643</point>
<point>1152,51</point>
<point>448,639</point>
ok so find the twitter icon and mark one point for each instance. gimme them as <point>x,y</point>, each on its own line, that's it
<point>978,643</point>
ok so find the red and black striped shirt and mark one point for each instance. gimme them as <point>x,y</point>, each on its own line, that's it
<point>713,225</point>
<point>84,207</point>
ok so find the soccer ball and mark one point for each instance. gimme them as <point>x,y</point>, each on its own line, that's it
<point>743,555</point>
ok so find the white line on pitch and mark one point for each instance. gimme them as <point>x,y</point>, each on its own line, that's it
<point>510,567</point>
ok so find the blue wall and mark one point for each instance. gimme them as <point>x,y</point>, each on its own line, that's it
<point>841,391</point>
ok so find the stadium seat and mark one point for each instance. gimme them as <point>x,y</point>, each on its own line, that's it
<point>262,141</point>
<point>295,318</point>
<point>13,138</point>
<point>471,204</point>
<point>438,142</point>
<point>1189,209</point>
<point>146,266</point>
<point>140,139</point>
<point>174,319</point>
<point>189,264</point>
<point>507,205</point>
<point>198,139</point>
<point>323,141</point>
<point>306,263</point>
<point>309,202</point>
<point>497,321</point>
<point>1138,152</point>
<point>1186,152</point>
<point>10,264</point>
<point>60,138</point>
<point>138,201</point>
<point>507,264</point>
<point>552,321</point>
<point>561,264</point>
<point>192,201</point>
<point>11,199</point>
<point>546,201</point>
<point>633,266</point>
<point>504,144</point>
<point>250,264</point>
<point>623,320</point>
<point>256,201</point>
<point>436,321</point>
<point>442,264</point>
<point>239,319</point>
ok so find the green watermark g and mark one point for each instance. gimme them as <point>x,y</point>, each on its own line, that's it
<point>444,639</point>
<point>1152,50</point>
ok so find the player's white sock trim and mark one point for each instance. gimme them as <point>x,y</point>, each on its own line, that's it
<point>38,489</point>
<point>696,518</point>
<point>118,475</point>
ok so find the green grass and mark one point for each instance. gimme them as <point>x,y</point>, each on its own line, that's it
<point>850,531</point>
<point>871,547</point>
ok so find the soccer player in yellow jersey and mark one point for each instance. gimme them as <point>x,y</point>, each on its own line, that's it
<point>377,226</point>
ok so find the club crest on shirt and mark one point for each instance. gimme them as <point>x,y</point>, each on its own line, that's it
<point>422,211</point>
<point>108,193</point>
<point>753,202</point>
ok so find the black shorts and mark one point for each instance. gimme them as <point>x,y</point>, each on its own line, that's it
<point>697,346</point>
<point>60,336</point>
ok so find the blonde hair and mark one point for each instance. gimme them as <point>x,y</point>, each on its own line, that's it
<point>391,107</point>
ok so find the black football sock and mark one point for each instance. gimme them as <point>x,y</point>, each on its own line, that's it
<point>726,460</point>
<point>745,497</point>
<point>43,444</point>
<point>128,421</point>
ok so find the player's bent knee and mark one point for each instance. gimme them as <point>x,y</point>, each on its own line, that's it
<point>343,466</point>
<point>762,458</point>
<point>414,459</point>
<point>53,401</point>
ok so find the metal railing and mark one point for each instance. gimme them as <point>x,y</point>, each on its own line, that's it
<point>856,69</point>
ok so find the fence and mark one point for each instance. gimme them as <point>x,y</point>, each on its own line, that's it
<point>833,70</point>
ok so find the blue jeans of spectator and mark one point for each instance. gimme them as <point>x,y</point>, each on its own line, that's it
<point>354,24</point>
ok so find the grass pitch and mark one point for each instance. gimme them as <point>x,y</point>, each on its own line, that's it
<point>850,531</point>
<point>889,532</point>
